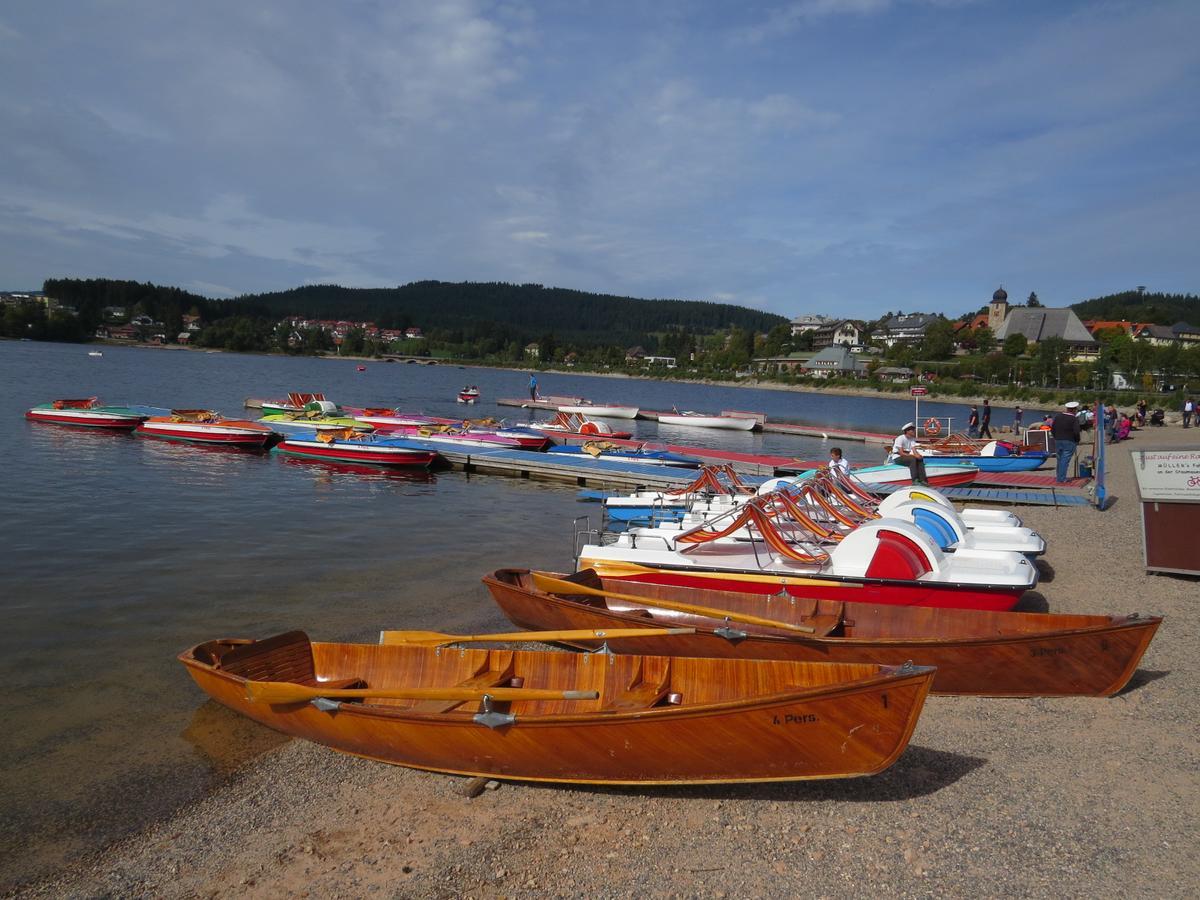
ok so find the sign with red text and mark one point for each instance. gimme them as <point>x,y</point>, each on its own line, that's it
<point>1171,475</point>
<point>918,391</point>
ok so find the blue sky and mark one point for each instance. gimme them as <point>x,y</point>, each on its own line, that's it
<point>834,156</point>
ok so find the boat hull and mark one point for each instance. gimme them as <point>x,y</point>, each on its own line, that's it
<point>603,412</point>
<point>939,474</point>
<point>985,654</point>
<point>349,452</point>
<point>205,433</point>
<point>729,423</point>
<point>821,587</point>
<point>991,463</point>
<point>794,734</point>
<point>85,418</point>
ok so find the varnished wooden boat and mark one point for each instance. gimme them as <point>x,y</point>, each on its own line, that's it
<point>650,719</point>
<point>1000,654</point>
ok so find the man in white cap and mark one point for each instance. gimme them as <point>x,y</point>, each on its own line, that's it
<point>905,453</point>
<point>1065,431</point>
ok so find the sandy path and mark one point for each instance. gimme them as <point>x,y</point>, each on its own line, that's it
<point>1073,797</point>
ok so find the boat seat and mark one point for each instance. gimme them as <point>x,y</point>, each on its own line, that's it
<point>644,690</point>
<point>501,676</point>
<point>643,696</point>
<point>823,625</point>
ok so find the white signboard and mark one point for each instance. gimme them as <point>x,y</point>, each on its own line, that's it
<point>1168,474</point>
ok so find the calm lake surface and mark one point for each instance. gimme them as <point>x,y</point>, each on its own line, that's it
<point>119,552</point>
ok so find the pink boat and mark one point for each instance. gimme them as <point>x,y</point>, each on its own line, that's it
<point>446,434</point>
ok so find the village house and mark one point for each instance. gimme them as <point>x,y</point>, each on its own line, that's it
<point>835,361</point>
<point>842,331</point>
<point>904,329</point>
<point>801,324</point>
<point>1038,323</point>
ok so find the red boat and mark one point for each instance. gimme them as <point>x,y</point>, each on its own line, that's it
<point>203,426</point>
<point>85,413</point>
<point>365,449</point>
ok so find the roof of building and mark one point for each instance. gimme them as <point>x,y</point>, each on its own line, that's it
<point>836,357</point>
<point>1184,328</point>
<point>811,320</point>
<point>1157,332</point>
<point>1039,323</point>
<point>1001,294</point>
<point>908,322</point>
<point>1094,325</point>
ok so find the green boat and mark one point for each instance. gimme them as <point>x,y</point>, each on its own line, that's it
<point>317,415</point>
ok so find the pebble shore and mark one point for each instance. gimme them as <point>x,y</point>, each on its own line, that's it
<point>1035,798</point>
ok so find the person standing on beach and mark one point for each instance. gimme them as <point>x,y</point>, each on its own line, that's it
<point>905,453</point>
<point>1189,407</point>
<point>1018,420</point>
<point>973,423</point>
<point>837,463</point>
<point>1065,432</point>
<point>532,386</point>
<point>985,429</point>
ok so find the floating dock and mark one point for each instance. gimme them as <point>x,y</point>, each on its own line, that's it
<point>800,430</point>
<point>558,467</point>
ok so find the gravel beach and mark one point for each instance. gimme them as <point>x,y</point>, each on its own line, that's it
<point>1063,797</point>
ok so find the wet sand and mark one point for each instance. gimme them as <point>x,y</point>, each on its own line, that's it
<point>1046,797</point>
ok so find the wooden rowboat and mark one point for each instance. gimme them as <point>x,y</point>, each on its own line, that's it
<point>1000,654</point>
<point>571,717</point>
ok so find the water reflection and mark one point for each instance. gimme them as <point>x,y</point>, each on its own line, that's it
<point>198,464</point>
<point>325,472</point>
<point>224,740</point>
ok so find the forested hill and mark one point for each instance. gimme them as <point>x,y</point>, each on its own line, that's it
<point>463,312</point>
<point>1142,306</point>
<point>527,309</point>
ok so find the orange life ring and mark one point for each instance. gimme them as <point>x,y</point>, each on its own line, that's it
<point>933,426</point>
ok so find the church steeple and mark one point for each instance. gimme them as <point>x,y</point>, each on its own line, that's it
<point>998,309</point>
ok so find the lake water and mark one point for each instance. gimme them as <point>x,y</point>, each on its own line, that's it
<point>118,552</point>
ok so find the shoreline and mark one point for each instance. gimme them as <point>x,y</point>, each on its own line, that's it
<point>1020,778</point>
<point>756,384</point>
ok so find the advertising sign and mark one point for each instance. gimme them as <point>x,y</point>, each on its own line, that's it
<point>1168,475</point>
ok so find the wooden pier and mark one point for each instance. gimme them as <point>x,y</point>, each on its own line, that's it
<point>558,467</point>
<point>820,431</point>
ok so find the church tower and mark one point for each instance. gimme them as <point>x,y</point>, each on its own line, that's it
<point>998,310</point>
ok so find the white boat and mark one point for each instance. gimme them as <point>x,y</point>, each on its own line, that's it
<point>604,412</point>
<point>698,420</point>
<point>574,423</point>
<point>95,353</point>
<point>885,561</point>
<point>971,516</point>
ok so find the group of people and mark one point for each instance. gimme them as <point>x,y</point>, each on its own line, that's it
<point>979,422</point>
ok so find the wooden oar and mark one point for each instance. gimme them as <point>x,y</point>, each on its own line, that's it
<point>548,583</point>
<point>435,639</point>
<point>289,692</point>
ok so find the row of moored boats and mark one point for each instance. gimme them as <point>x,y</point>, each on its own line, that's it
<point>783,631</point>
<point>779,630</point>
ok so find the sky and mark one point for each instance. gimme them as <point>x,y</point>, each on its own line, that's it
<point>843,157</point>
